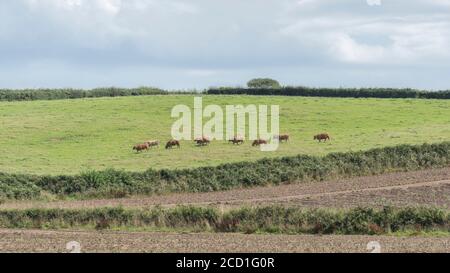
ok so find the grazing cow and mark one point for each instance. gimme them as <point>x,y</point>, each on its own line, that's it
<point>152,143</point>
<point>321,137</point>
<point>282,138</point>
<point>202,141</point>
<point>172,143</point>
<point>236,140</point>
<point>259,142</point>
<point>140,147</point>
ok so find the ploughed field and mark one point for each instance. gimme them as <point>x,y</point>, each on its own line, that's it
<point>70,136</point>
<point>56,241</point>
<point>197,222</point>
<point>398,189</point>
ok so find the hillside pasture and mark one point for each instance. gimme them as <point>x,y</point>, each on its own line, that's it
<point>72,136</point>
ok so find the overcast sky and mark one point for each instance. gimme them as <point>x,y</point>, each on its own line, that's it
<point>200,43</point>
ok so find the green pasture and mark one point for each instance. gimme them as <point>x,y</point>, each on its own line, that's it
<point>70,136</point>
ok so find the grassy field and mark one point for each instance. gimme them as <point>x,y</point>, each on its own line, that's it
<point>69,136</point>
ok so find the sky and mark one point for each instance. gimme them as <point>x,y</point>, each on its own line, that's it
<point>196,44</point>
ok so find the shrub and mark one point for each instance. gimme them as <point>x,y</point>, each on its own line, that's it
<point>18,186</point>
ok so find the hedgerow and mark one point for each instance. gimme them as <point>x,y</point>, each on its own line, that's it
<point>57,94</point>
<point>334,92</point>
<point>270,219</point>
<point>113,183</point>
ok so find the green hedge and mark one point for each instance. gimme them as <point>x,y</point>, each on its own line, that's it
<point>117,183</point>
<point>56,94</point>
<point>270,219</point>
<point>334,92</point>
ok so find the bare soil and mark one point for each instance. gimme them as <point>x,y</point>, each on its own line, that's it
<point>56,241</point>
<point>425,188</point>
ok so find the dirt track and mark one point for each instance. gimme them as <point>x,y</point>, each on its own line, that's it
<point>55,241</point>
<point>429,187</point>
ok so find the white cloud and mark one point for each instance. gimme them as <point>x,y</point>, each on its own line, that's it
<point>107,6</point>
<point>346,49</point>
<point>378,39</point>
<point>374,2</point>
<point>438,2</point>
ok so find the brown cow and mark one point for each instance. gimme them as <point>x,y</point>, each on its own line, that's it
<point>140,147</point>
<point>172,143</point>
<point>152,143</point>
<point>202,141</point>
<point>321,137</point>
<point>282,138</point>
<point>259,142</point>
<point>236,140</point>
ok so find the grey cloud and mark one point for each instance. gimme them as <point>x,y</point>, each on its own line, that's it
<point>199,43</point>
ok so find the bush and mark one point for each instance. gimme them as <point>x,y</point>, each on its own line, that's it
<point>18,186</point>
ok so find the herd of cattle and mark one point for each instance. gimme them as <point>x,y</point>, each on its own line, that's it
<point>205,141</point>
